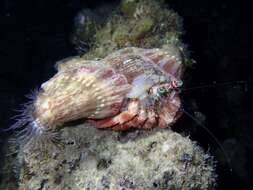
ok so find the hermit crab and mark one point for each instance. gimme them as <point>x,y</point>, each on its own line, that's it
<point>129,88</point>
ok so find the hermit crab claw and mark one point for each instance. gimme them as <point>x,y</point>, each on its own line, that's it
<point>118,121</point>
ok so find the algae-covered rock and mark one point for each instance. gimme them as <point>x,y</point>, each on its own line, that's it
<point>8,166</point>
<point>139,23</point>
<point>100,159</point>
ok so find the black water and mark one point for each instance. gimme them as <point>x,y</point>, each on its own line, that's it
<point>36,33</point>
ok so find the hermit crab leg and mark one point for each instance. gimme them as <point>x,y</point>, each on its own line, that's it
<point>165,117</point>
<point>152,119</point>
<point>121,118</point>
<point>136,122</point>
<point>169,112</point>
<point>142,118</point>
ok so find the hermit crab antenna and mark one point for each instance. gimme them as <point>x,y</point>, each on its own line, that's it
<point>215,84</point>
<point>212,135</point>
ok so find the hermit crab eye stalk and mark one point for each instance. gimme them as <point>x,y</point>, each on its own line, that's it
<point>177,83</point>
<point>162,90</point>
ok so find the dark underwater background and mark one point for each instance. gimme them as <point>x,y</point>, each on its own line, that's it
<point>34,34</point>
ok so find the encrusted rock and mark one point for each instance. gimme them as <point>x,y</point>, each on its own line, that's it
<point>100,159</point>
